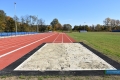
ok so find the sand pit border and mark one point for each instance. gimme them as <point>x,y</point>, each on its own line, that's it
<point>9,69</point>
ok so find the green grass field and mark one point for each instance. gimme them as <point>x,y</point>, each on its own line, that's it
<point>106,42</point>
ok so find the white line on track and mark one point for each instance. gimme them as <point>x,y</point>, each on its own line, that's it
<point>18,44</point>
<point>25,46</point>
<point>56,38</point>
<point>16,41</point>
<point>68,38</point>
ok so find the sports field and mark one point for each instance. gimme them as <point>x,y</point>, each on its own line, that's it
<point>15,49</point>
<point>106,42</point>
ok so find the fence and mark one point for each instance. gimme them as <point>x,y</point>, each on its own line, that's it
<point>14,33</point>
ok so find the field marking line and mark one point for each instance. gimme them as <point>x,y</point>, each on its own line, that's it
<point>23,42</point>
<point>56,38</point>
<point>68,38</point>
<point>25,46</point>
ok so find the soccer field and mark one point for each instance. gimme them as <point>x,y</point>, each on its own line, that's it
<point>106,42</point>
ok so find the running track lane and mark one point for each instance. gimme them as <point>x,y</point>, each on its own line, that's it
<point>63,38</point>
<point>10,58</point>
<point>16,44</point>
<point>58,39</point>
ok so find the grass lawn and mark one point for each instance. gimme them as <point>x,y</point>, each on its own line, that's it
<point>60,77</point>
<point>106,42</point>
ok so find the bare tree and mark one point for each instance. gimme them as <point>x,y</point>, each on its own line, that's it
<point>34,19</point>
<point>113,23</point>
<point>117,22</point>
<point>16,18</point>
<point>41,22</point>
<point>27,19</point>
<point>107,21</point>
<point>22,20</point>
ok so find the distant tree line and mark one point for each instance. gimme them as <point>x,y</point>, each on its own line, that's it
<point>27,23</point>
<point>31,23</point>
<point>109,25</point>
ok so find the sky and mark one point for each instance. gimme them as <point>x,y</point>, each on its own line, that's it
<point>74,12</point>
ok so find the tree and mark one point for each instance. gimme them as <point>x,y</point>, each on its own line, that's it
<point>34,19</point>
<point>98,27</point>
<point>113,23</point>
<point>2,20</point>
<point>10,24</point>
<point>49,28</point>
<point>22,23</point>
<point>67,27</point>
<point>41,25</point>
<point>107,22</point>
<point>27,19</point>
<point>2,16</point>
<point>117,22</point>
<point>54,23</point>
<point>22,20</point>
<point>15,18</point>
<point>76,28</point>
<point>27,23</point>
<point>58,26</point>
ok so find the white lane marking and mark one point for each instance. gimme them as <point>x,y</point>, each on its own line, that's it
<point>17,43</point>
<point>24,46</point>
<point>21,36</point>
<point>68,38</point>
<point>56,38</point>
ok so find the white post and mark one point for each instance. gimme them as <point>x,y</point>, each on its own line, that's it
<point>37,23</point>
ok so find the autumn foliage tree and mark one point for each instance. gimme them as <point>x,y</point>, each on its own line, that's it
<point>10,24</point>
<point>56,25</point>
<point>2,20</point>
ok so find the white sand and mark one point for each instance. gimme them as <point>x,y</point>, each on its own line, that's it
<point>64,56</point>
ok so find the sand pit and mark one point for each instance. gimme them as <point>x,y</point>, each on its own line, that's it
<point>63,57</point>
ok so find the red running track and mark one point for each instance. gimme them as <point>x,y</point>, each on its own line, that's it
<point>13,48</point>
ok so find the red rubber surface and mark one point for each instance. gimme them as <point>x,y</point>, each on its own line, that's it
<point>13,43</point>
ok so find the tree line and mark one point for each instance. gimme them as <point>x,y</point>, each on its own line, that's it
<point>109,25</point>
<point>31,23</point>
<point>24,23</point>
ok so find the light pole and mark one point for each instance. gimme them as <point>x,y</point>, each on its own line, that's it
<point>30,24</point>
<point>15,17</point>
<point>37,23</point>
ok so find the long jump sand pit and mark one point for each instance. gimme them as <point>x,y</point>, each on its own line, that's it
<point>63,57</point>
